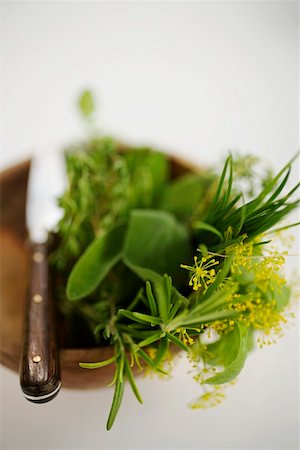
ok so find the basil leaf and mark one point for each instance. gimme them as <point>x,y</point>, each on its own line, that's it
<point>95,263</point>
<point>155,240</point>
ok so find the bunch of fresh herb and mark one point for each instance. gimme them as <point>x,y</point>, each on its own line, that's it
<point>152,263</point>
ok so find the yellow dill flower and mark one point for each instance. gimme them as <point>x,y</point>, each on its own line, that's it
<point>184,336</point>
<point>243,253</point>
<point>266,272</point>
<point>202,273</point>
<point>261,314</point>
<point>222,326</point>
<point>209,399</point>
<point>167,364</point>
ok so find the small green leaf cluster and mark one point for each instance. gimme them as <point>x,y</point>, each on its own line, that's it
<point>104,185</point>
<point>127,237</point>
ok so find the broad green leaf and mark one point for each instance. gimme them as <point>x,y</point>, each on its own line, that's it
<point>232,370</point>
<point>95,263</point>
<point>155,240</point>
<point>183,195</point>
<point>225,350</point>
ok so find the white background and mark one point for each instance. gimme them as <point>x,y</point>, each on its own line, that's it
<point>195,79</point>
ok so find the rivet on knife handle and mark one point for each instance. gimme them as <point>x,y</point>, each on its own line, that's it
<point>40,371</point>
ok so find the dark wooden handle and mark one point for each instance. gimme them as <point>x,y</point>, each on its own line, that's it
<point>39,372</point>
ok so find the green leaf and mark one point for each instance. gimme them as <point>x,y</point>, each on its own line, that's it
<point>232,370</point>
<point>162,350</point>
<point>95,263</point>
<point>213,302</point>
<point>149,173</point>
<point>156,241</point>
<point>116,403</point>
<point>150,340</point>
<point>221,275</point>
<point>151,299</point>
<point>177,342</point>
<point>224,351</point>
<point>205,226</point>
<point>151,362</point>
<point>130,378</point>
<point>161,291</point>
<point>175,309</point>
<point>139,317</point>
<point>183,195</point>
<point>97,365</point>
<point>281,297</point>
<point>86,103</point>
<point>184,320</point>
<point>157,164</point>
<point>214,203</point>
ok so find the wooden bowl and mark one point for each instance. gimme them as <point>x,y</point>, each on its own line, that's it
<point>14,278</point>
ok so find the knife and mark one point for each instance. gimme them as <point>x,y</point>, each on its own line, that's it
<point>39,366</point>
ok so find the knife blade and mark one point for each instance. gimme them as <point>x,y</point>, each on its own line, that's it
<point>39,367</point>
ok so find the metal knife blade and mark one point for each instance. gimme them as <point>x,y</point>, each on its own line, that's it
<point>47,181</point>
<point>40,368</point>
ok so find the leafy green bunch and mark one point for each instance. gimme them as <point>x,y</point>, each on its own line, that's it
<point>153,265</point>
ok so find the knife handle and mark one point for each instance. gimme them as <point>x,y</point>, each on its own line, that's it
<point>40,370</point>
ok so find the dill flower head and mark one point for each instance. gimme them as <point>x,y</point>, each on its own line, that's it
<point>202,272</point>
<point>209,399</point>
